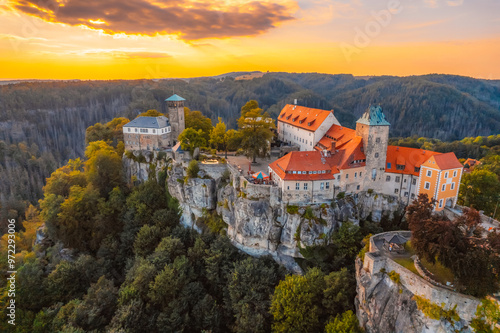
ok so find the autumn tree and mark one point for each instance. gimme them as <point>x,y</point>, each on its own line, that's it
<point>111,132</point>
<point>219,137</point>
<point>103,167</point>
<point>151,113</point>
<point>256,129</point>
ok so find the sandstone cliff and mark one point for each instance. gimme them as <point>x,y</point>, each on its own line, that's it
<point>258,220</point>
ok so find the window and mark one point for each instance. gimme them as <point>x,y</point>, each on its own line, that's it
<point>397,179</point>
<point>321,186</point>
<point>355,175</point>
<point>288,187</point>
<point>414,182</point>
<point>327,185</point>
<point>338,177</point>
<point>347,176</point>
<point>388,178</point>
<point>376,155</point>
<point>427,185</point>
<point>455,173</point>
<point>406,194</point>
<point>441,203</point>
<point>306,142</point>
<point>154,131</point>
<point>315,172</point>
<point>305,186</point>
<point>446,174</point>
<point>443,188</point>
<point>129,129</point>
<point>404,180</point>
<point>429,173</point>
<point>294,172</point>
<point>297,186</point>
<point>417,169</point>
<point>299,172</point>
<point>396,191</point>
<point>377,140</point>
<point>388,165</point>
<point>135,130</point>
<point>413,195</point>
<point>360,174</point>
<point>357,187</point>
<point>400,167</point>
<point>452,186</point>
<point>374,173</point>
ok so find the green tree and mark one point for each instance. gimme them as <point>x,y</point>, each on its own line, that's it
<point>295,304</point>
<point>151,113</point>
<point>252,283</point>
<point>345,323</point>
<point>479,189</point>
<point>191,139</point>
<point>197,121</point>
<point>256,129</point>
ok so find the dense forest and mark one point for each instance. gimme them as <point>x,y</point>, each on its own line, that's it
<point>116,259</point>
<point>43,123</point>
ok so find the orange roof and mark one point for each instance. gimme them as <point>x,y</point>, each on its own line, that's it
<point>447,161</point>
<point>411,158</point>
<point>472,162</point>
<point>341,134</point>
<point>305,162</point>
<point>299,116</point>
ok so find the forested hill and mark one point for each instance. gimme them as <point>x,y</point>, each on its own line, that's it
<point>43,124</point>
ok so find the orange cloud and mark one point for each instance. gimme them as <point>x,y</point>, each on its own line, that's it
<point>189,19</point>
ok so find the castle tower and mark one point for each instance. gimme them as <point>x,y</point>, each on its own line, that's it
<point>374,129</point>
<point>175,108</point>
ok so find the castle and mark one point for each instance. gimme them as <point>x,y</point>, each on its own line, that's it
<point>334,159</point>
<point>155,133</point>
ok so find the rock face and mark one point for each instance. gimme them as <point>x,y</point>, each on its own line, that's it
<point>258,220</point>
<point>384,306</point>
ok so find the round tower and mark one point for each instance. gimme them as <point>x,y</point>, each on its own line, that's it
<point>175,109</point>
<point>374,129</point>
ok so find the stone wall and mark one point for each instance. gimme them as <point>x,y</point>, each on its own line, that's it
<point>374,261</point>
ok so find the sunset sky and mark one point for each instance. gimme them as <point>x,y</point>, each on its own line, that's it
<point>131,39</point>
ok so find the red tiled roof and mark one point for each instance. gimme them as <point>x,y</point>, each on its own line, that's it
<point>307,118</point>
<point>472,162</point>
<point>411,158</point>
<point>447,161</point>
<point>342,134</point>
<point>303,162</point>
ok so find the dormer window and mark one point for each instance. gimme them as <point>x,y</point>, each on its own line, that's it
<point>400,167</point>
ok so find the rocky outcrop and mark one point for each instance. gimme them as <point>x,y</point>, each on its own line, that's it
<point>259,222</point>
<point>385,306</point>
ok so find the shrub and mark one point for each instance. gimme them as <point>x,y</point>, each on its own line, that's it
<point>370,191</point>
<point>291,209</point>
<point>366,247</point>
<point>435,311</point>
<point>341,195</point>
<point>395,277</point>
<point>308,214</point>
<point>193,169</point>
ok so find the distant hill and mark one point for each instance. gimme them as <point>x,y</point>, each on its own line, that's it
<point>50,118</point>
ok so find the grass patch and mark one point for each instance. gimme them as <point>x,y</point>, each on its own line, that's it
<point>394,277</point>
<point>407,263</point>
<point>441,273</point>
<point>435,311</point>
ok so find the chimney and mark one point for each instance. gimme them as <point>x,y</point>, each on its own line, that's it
<point>333,144</point>
<point>295,101</point>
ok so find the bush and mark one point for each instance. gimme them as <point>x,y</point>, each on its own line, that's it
<point>193,169</point>
<point>291,209</point>
<point>394,277</point>
<point>341,195</point>
<point>366,247</point>
<point>308,214</point>
<point>435,311</point>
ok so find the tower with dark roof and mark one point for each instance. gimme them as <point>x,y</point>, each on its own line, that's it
<point>175,108</point>
<point>374,129</point>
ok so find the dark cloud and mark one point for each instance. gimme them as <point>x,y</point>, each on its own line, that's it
<point>190,19</point>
